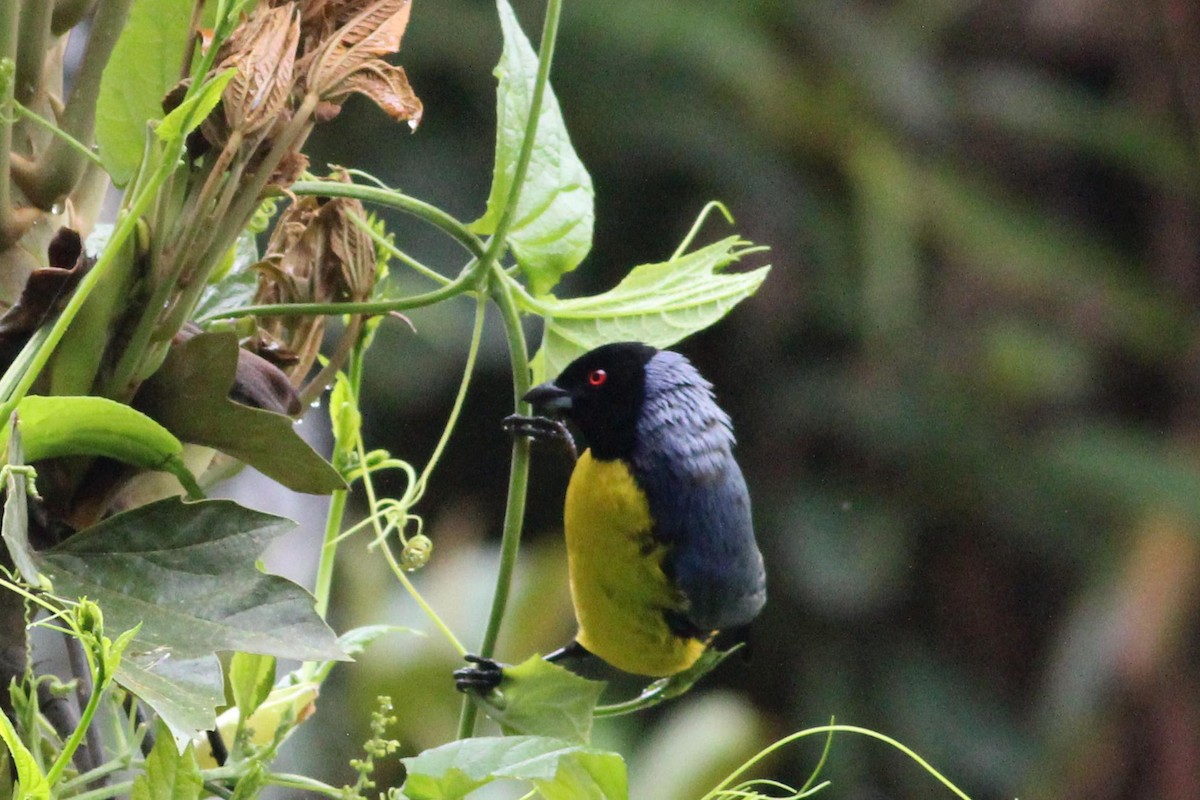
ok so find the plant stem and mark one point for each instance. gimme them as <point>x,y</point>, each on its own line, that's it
<point>72,744</point>
<point>397,200</point>
<point>79,147</point>
<point>518,476</point>
<point>518,482</point>
<point>367,307</point>
<point>31,55</point>
<point>343,448</point>
<point>468,369</point>
<point>113,790</point>
<point>303,783</point>
<point>9,18</point>
<point>333,526</point>
<point>382,241</point>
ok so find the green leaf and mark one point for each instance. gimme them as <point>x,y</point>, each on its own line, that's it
<point>558,769</point>
<point>189,395</point>
<point>237,287</point>
<point>170,774</point>
<point>54,427</point>
<point>543,699</point>
<point>251,678</point>
<point>184,692</point>
<point>31,783</point>
<point>658,304</point>
<point>16,508</point>
<point>186,573</point>
<point>144,65</point>
<point>192,111</point>
<point>551,230</point>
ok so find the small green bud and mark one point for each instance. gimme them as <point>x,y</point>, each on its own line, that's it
<point>89,618</point>
<point>416,553</point>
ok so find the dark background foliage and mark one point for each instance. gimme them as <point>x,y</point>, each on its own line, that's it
<point>966,396</point>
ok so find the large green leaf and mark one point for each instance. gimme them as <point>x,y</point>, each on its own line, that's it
<point>143,67</point>
<point>189,395</point>
<point>558,769</point>
<point>540,698</point>
<point>551,231</point>
<point>658,304</point>
<point>186,573</point>
<point>185,692</point>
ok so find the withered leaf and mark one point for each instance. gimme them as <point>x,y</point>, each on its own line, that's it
<point>289,169</point>
<point>189,395</point>
<point>373,32</point>
<point>47,289</point>
<point>387,86</point>
<point>264,62</point>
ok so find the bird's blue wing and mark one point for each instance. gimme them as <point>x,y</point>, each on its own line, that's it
<point>699,501</point>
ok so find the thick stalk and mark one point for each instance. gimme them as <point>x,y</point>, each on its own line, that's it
<point>31,51</point>
<point>59,168</point>
<point>68,14</point>
<point>9,18</point>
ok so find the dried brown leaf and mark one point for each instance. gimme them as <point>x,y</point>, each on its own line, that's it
<point>317,254</point>
<point>388,87</point>
<point>373,32</point>
<point>289,170</point>
<point>264,63</point>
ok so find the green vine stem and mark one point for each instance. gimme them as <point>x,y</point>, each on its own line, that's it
<point>85,723</point>
<point>518,483</point>
<point>518,479</point>
<point>79,147</point>
<point>397,200</point>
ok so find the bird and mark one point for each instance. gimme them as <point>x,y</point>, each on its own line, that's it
<point>661,551</point>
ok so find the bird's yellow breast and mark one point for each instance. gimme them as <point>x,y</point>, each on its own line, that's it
<point>617,582</point>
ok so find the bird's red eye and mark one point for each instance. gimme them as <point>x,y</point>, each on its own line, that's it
<point>597,377</point>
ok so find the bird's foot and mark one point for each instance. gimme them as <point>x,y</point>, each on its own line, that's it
<point>541,429</point>
<point>481,678</point>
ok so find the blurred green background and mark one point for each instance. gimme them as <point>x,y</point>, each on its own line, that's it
<point>966,397</point>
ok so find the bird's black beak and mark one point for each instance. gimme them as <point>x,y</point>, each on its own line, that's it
<point>547,398</point>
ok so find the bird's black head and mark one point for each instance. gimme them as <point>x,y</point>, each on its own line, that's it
<point>601,392</point>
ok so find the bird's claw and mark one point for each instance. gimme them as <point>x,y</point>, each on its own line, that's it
<point>481,678</point>
<point>540,429</point>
